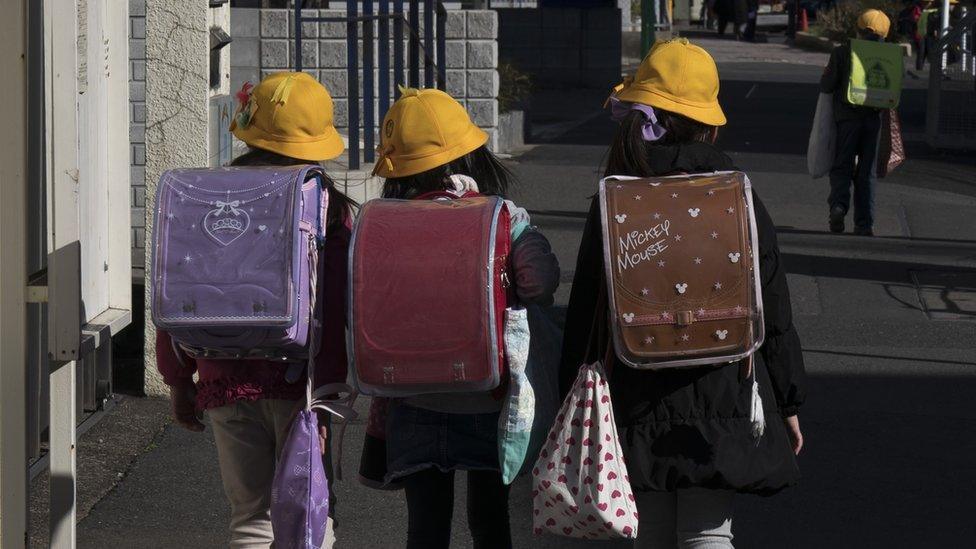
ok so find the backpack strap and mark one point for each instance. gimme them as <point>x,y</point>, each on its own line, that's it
<point>598,340</point>
<point>336,398</point>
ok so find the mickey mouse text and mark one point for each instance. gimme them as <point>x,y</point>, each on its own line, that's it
<point>629,253</point>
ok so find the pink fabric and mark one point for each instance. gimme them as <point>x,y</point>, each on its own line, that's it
<point>223,382</point>
<point>580,486</point>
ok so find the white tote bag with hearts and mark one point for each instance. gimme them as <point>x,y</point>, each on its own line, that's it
<point>580,483</point>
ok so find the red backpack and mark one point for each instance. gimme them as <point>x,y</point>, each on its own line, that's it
<point>428,291</point>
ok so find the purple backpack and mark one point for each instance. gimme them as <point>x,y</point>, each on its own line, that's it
<point>235,260</point>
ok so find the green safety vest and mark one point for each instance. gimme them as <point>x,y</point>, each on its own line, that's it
<point>876,73</point>
<point>923,22</point>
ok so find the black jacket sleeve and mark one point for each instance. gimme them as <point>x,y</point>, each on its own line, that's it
<point>781,351</point>
<point>830,79</point>
<point>535,268</point>
<point>582,300</point>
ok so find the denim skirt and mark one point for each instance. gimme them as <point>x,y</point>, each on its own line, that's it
<point>419,439</point>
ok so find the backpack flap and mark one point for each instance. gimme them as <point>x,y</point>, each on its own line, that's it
<point>681,259</point>
<point>229,254</point>
<point>876,74</point>
<point>427,300</point>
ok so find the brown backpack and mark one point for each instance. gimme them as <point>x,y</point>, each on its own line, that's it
<point>682,269</point>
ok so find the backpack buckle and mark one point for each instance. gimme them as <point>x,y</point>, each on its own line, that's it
<point>388,375</point>
<point>684,318</point>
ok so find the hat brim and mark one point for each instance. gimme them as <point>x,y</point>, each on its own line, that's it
<point>404,166</point>
<point>326,147</point>
<point>710,113</point>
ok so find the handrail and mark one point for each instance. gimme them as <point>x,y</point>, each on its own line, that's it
<point>434,59</point>
<point>963,26</point>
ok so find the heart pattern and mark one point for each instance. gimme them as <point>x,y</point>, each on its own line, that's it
<point>225,225</point>
<point>734,257</point>
<point>594,500</point>
<point>621,218</point>
<point>693,212</point>
<point>681,287</point>
<point>721,334</point>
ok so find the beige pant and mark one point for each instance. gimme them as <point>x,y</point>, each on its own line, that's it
<point>249,437</point>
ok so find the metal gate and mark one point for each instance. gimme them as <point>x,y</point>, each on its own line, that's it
<point>430,49</point>
<point>951,114</point>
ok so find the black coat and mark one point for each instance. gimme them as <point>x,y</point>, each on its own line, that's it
<point>690,427</point>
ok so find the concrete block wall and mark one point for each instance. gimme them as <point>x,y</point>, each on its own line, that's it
<point>563,46</point>
<point>264,43</point>
<point>137,128</point>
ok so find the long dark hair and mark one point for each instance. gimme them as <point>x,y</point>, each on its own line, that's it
<point>340,205</point>
<point>630,155</point>
<point>492,176</point>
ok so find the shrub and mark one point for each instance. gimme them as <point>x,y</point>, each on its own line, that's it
<point>840,21</point>
<point>514,86</point>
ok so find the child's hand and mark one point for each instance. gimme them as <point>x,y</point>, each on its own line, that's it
<point>796,436</point>
<point>184,400</point>
<point>323,431</point>
<point>323,418</point>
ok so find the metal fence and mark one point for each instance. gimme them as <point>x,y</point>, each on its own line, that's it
<point>951,114</point>
<point>429,49</point>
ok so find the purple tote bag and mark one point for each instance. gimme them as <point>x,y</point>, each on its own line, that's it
<point>234,260</point>
<point>300,492</point>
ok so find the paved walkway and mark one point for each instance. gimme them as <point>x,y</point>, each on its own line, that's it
<point>888,325</point>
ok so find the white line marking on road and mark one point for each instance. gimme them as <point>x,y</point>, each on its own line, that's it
<point>752,89</point>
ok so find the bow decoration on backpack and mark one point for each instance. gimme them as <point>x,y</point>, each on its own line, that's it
<point>228,207</point>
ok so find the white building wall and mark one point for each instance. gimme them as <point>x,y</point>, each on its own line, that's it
<point>13,248</point>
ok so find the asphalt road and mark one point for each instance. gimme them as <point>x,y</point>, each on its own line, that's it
<point>888,326</point>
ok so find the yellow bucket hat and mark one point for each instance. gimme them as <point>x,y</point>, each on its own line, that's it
<point>679,77</point>
<point>289,113</point>
<point>875,21</point>
<point>424,129</point>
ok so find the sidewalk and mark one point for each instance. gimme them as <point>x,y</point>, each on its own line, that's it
<point>888,326</point>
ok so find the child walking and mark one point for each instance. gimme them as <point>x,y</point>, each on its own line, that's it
<point>429,144</point>
<point>858,128</point>
<point>687,434</point>
<point>286,120</point>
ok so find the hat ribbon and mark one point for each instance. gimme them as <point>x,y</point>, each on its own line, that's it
<point>384,159</point>
<point>651,130</point>
<point>283,90</point>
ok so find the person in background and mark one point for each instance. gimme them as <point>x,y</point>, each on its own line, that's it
<point>429,144</point>
<point>910,26</point>
<point>752,19</point>
<point>858,128</point>
<point>285,120</point>
<point>686,433</point>
<point>731,11</point>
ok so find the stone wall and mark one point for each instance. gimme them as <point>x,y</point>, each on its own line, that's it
<point>137,128</point>
<point>264,43</point>
<point>563,47</point>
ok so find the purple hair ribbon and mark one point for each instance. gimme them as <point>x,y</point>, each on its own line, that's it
<point>651,129</point>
